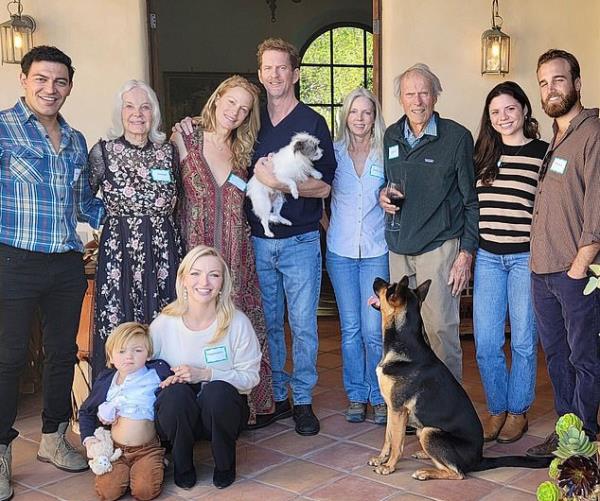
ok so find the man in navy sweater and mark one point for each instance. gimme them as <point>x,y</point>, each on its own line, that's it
<point>289,265</point>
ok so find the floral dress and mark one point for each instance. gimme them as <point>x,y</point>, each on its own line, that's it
<point>140,246</point>
<point>214,215</point>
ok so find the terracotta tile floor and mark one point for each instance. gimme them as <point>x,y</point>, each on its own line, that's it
<point>277,464</point>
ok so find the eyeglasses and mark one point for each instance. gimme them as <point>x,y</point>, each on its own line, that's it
<point>545,164</point>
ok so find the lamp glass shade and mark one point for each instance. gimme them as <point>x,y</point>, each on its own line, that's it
<point>495,52</point>
<point>16,37</point>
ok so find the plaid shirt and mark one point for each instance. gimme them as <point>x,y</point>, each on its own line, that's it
<point>43,193</point>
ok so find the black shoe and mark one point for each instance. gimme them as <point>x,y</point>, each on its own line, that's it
<point>546,448</point>
<point>306,421</point>
<point>410,430</point>
<point>283,410</point>
<point>185,480</point>
<point>222,479</point>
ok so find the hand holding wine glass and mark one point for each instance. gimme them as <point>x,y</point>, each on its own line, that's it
<point>395,193</point>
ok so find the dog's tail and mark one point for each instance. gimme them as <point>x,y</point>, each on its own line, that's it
<point>512,461</point>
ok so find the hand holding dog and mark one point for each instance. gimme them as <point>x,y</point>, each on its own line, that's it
<point>460,273</point>
<point>263,170</point>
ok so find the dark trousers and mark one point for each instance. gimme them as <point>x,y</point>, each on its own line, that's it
<point>218,413</point>
<point>568,326</point>
<point>54,283</point>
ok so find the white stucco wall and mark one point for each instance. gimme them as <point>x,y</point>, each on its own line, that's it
<point>107,41</point>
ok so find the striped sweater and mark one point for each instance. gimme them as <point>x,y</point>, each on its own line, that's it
<point>506,206</point>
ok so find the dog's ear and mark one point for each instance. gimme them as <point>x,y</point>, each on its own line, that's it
<point>299,146</point>
<point>403,281</point>
<point>422,290</point>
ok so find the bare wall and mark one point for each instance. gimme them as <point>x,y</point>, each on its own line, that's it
<point>107,42</point>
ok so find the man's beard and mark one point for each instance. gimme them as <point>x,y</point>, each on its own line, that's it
<point>562,107</point>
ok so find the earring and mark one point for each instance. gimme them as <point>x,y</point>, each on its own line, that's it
<point>185,295</point>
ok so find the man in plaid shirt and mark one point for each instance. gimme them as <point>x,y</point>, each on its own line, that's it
<point>44,191</point>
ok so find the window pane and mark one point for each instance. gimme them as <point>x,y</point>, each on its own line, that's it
<point>370,79</point>
<point>318,51</point>
<point>315,85</point>
<point>346,80</point>
<point>369,48</point>
<point>348,46</point>
<point>325,112</point>
<point>336,110</point>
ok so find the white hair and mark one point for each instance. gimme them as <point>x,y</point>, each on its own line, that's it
<point>155,135</point>
<point>423,70</point>
<point>343,134</point>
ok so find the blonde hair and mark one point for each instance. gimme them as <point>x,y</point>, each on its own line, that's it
<point>225,306</point>
<point>243,137</point>
<point>155,135</point>
<point>280,45</point>
<point>122,334</point>
<point>378,129</point>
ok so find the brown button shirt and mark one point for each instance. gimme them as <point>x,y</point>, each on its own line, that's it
<point>566,214</point>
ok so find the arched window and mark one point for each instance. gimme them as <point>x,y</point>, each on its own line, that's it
<point>336,60</point>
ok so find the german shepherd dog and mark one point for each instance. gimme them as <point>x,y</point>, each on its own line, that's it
<point>420,391</point>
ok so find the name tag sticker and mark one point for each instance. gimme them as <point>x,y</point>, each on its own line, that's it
<point>393,151</point>
<point>429,161</point>
<point>237,181</point>
<point>76,174</point>
<point>559,165</point>
<point>377,171</point>
<point>215,355</point>
<point>161,175</point>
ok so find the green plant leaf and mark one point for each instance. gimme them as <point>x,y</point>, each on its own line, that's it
<point>591,286</point>
<point>595,269</point>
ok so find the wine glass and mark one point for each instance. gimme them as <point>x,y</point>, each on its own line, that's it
<point>395,192</point>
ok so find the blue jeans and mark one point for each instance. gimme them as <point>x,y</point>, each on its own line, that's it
<point>501,282</point>
<point>352,281</point>
<point>569,323</point>
<point>289,269</point>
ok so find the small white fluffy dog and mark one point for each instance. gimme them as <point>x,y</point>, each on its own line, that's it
<point>291,164</point>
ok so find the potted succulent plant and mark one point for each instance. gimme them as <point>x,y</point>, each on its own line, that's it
<point>575,472</point>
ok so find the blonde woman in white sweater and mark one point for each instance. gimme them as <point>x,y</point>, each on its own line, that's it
<point>215,356</point>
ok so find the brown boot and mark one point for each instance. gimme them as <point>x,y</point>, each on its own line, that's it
<point>514,428</point>
<point>492,426</point>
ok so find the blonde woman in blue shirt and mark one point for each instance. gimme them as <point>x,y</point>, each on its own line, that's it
<point>356,248</point>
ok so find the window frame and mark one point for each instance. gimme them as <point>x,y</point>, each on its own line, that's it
<point>332,106</point>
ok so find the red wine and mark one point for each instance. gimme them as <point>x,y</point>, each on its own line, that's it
<point>397,201</point>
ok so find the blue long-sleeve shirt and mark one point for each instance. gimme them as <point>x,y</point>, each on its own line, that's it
<point>43,193</point>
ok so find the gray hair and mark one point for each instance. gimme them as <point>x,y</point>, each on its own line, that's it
<point>155,135</point>
<point>423,70</point>
<point>343,135</point>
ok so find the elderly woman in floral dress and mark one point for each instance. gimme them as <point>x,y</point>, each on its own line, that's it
<point>136,171</point>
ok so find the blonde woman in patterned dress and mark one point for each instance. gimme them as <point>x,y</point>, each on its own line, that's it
<point>214,160</point>
<point>136,172</point>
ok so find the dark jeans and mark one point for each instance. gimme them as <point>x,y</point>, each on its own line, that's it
<point>218,414</point>
<point>568,327</point>
<point>54,283</point>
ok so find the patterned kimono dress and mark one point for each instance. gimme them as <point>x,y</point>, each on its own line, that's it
<point>214,215</point>
<point>140,246</point>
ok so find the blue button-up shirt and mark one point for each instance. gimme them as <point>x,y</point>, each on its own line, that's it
<point>43,193</point>
<point>430,129</point>
<point>357,224</point>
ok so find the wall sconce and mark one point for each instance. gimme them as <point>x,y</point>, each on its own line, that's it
<point>273,7</point>
<point>16,35</point>
<point>495,46</point>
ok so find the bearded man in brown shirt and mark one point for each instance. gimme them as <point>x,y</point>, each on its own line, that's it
<point>565,240</point>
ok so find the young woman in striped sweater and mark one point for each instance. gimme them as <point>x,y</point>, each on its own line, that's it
<point>508,155</point>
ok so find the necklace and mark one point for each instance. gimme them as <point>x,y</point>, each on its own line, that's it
<point>216,145</point>
<point>516,154</point>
